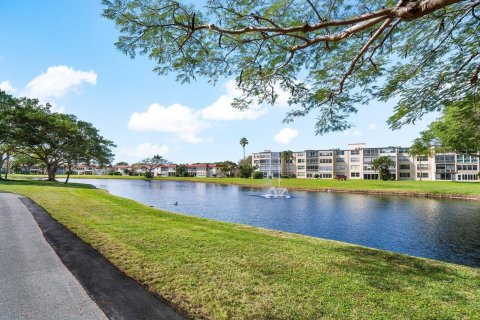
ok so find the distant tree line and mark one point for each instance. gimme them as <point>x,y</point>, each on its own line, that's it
<point>31,133</point>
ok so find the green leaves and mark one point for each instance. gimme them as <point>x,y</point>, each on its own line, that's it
<point>427,61</point>
<point>53,138</point>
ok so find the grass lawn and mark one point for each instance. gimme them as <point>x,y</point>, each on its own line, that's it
<point>218,270</point>
<point>434,188</point>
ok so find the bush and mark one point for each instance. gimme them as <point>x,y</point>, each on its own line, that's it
<point>257,175</point>
<point>148,175</point>
<point>317,176</point>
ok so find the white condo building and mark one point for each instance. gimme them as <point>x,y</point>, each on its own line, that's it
<point>355,163</point>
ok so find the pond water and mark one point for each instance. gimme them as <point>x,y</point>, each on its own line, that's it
<point>440,229</point>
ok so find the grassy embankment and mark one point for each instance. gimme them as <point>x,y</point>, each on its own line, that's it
<point>423,188</point>
<point>217,270</point>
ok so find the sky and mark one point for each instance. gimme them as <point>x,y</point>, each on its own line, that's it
<point>63,52</point>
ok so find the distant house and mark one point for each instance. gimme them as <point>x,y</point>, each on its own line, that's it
<point>166,170</point>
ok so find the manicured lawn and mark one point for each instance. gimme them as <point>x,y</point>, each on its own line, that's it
<point>218,270</point>
<point>471,189</point>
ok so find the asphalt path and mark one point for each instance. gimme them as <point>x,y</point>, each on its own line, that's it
<point>47,272</point>
<point>34,283</point>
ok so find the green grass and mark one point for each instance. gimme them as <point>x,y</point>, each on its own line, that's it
<point>218,270</point>
<point>426,188</point>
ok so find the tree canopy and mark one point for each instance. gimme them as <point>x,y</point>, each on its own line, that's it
<point>150,164</point>
<point>329,55</point>
<point>457,130</point>
<point>55,139</point>
<point>382,165</point>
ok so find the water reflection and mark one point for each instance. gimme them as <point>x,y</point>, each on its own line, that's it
<point>439,229</point>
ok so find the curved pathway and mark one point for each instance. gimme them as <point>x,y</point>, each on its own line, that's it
<point>34,282</point>
<point>44,269</point>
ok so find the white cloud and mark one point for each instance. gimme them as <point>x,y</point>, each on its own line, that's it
<point>7,87</point>
<point>57,81</point>
<point>222,110</point>
<point>176,118</point>
<point>372,127</point>
<point>56,108</point>
<point>355,133</point>
<point>285,136</point>
<point>145,150</point>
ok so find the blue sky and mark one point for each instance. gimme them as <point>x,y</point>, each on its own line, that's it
<point>63,52</point>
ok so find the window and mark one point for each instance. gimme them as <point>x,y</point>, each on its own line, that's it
<point>422,174</point>
<point>325,153</point>
<point>326,161</point>
<point>422,158</point>
<point>370,176</point>
<point>403,150</point>
<point>355,159</point>
<point>340,159</point>
<point>355,152</point>
<point>325,168</point>
<point>404,167</point>
<point>423,166</point>
<point>301,160</point>
<point>312,168</point>
<point>388,150</point>
<point>354,168</point>
<point>355,174</point>
<point>370,152</point>
<point>300,174</point>
<point>301,167</point>
<point>340,152</point>
<point>468,177</point>
<point>445,158</point>
<point>404,174</point>
<point>340,168</point>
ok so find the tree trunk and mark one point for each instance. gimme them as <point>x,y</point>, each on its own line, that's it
<point>2,161</point>
<point>7,168</point>
<point>51,169</point>
<point>68,176</point>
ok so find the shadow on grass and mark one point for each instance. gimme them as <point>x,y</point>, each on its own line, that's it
<point>387,271</point>
<point>43,183</point>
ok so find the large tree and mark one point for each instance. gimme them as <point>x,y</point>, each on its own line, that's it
<point>382,165</point>
<point>56,139</point>
<point>288,158</point>
<point>329,55</point>
<point>243,143</point>
<point>150,164</point>
<point>457,130</point>
<point>7,146</point>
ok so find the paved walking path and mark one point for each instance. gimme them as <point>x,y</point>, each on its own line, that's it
<point>34,283</point>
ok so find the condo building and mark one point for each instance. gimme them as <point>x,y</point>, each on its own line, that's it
<point>355,162</point>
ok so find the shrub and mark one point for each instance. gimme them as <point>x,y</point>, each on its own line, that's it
<point>257,175</point>
<point>148,175</point>
<point>317,176</point>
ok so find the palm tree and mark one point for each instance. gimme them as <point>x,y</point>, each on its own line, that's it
<point>288,157</point>
<point>420,149</point>
<point>382,165</point>
<point>243,143</point>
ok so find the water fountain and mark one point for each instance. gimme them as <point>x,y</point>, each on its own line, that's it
<point>277,192</point>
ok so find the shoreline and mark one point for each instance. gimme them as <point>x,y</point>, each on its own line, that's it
<point>227,181</point>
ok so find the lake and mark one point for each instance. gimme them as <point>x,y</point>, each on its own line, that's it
<point>447,230</point>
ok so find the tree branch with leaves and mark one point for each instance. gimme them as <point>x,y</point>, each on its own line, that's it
<point>329,55</point>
